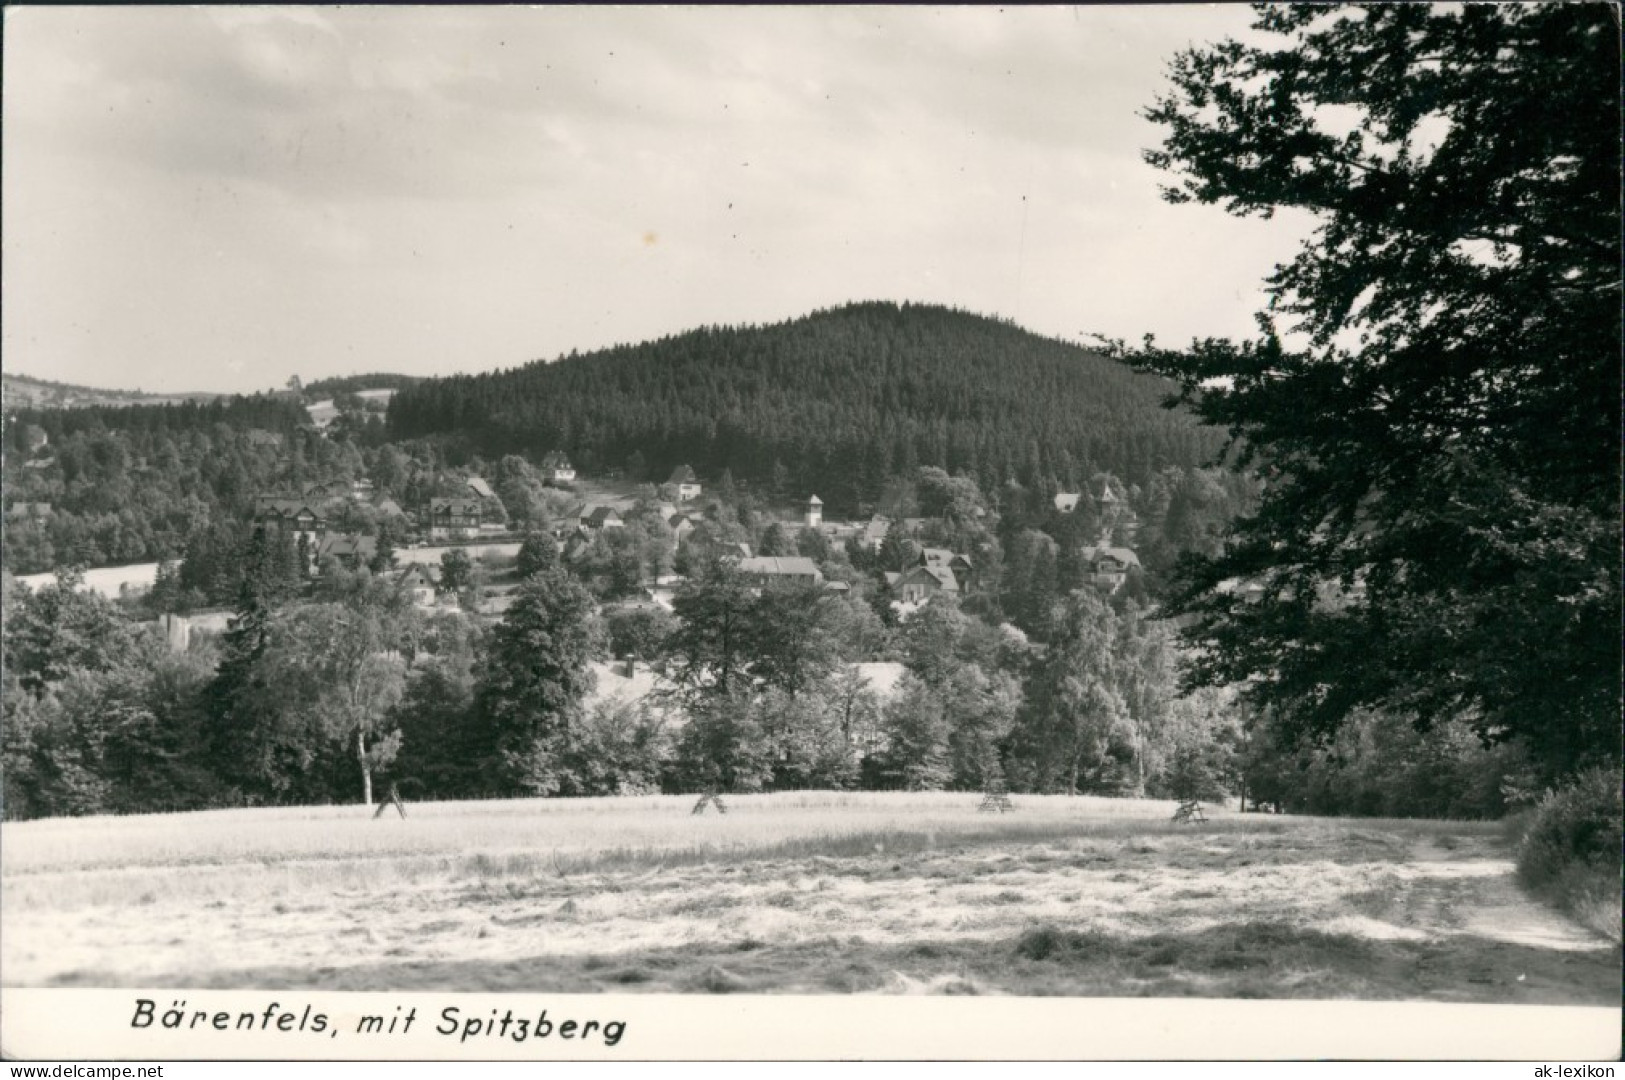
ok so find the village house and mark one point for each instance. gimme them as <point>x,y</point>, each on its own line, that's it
<point>764,569</point>
<point>731,549</point>
<point>960,565</point>
<point>1067,501</point>
<point>1109,566</point>
<point>874,533</point>
<point>919,583</point>
<point>421,583</point>
<point>327,489</point>
<point>361,490</point>
<point>629,683</point>
<point>556,468</point>
<point>684,480</point>
<point>295,516</point>
<point>680,525</point>
<point>349,550</point>
<point>596,519</point>
<point>839,532</point>
<point>932,556</point>
<point>454,519</point>
<point>1118,521</point>
<point>814,514</point>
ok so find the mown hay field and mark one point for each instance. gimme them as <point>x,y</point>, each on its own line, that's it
<point>816,892</point>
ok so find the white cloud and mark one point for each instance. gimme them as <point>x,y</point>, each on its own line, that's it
<point>435,189</point>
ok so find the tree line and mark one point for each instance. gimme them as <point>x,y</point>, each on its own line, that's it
<point>328,691</point>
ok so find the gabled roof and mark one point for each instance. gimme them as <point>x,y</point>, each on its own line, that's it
<point>1067,501</point>
<point>1123,555</point>
<point>938,573</point>
<point>815,501</point>
<point>418,576</point>
<point>596,516</point>
<point>350,544</point>
<point>943,557</point>
<point>555,459</point>
<point>279,507</point>
<point>389,506</point>
<point>456,507</point>
<point>781,566</point>
<point>682,475</point>
<point>478,486</point>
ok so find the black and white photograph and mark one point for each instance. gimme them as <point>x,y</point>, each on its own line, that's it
<point>570,506</point>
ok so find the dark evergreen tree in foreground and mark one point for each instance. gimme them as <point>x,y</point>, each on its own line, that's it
<point>535,678</point>
<point>1435,400</point>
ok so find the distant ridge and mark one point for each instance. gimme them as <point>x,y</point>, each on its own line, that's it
<point>835,402</point>
<point>27,392</point>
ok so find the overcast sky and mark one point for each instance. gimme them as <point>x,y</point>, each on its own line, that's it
<point>216,199</point>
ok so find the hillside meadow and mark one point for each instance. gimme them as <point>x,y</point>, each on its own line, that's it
<point>816,892</point>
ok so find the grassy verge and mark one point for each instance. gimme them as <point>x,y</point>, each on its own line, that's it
<point>1569,850</point>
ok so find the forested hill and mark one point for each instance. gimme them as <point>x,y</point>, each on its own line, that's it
<point>838,400</point>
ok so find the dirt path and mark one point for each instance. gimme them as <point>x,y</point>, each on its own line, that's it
<point>1499,910</point>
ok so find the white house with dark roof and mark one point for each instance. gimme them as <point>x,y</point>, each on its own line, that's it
<point>420,582</point>
<point>557,468</point>
<point>1109,566</point>
<point>686,483</point>
<point>598,518</point>
<point>454,519</point>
